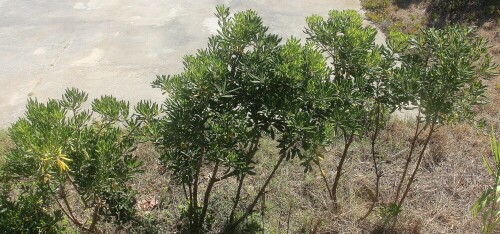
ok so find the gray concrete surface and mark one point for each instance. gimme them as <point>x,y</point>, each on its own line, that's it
<point>116,47</point>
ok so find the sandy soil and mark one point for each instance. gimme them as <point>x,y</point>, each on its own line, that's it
<point>117,47</point>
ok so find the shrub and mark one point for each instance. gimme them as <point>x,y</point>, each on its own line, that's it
<point>487,203</point>
<point>64,151</point>
<point>441,75</point>
<point>243,87</point>
<point>28,212</point>
<point>359,77</point>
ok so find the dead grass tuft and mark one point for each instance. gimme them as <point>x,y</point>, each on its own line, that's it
<point>5,143</point>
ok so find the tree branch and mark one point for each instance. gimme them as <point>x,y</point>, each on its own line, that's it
<point>208,192</point>
<point>348,141</point>
<point>420,156</point>
<point>262,190</point>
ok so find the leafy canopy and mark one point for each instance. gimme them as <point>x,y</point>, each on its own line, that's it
<point>58,142</point>
<point>243,85</point>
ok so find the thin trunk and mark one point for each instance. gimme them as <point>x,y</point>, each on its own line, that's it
<point>262,190</point>
<point>190,214</point>
<point>263,207</point>
<point>208,191</point>
<point>70,217</point>
<point>66,203</point>
<point>408,158</point>
<point>420,156</point>
<point>77,190</point>
<point>186,196</point>
<point>70,211</point>
<point>348,141</point>
<point>325,180</point>
<point>237,199</point>
<point>197,177</point>
<point>250,154</point>
<point>190,191</point>
<point>93,224</point>
<point>378,173</point>
<point>194,202</point>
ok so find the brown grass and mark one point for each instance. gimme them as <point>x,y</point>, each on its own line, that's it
<point>449,181</point>
<point>5,142</point>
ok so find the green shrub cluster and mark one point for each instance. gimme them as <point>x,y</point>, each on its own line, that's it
<point>246,86</point>
<point>63,152</point>
<point>487,203</point>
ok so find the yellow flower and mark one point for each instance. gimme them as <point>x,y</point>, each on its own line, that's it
<point>46,177</point>
<point>61,158</point>
<point>62,166</point>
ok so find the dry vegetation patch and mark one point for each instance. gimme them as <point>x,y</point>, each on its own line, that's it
<point>451,178</point>
<point>453,174</point>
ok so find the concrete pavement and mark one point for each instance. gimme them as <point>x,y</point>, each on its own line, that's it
<point>117,47</point>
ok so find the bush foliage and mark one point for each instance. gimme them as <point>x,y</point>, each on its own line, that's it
<point>246,86</point>
<point>62,151</point>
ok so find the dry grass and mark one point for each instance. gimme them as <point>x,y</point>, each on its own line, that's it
<point>449,181</point>
<point>5,143</point>
<point>451,178</point>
